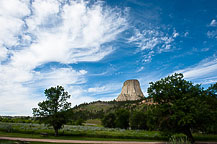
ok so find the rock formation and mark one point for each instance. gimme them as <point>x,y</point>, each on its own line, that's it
<point>130,91</point>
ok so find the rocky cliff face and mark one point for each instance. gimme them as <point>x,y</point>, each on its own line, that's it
<point>130,91</point>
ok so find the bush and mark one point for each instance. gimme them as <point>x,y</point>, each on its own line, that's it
<point>176,139</point>
<point>138,120</point>
<point>122,119</point>
<point>109,120</point>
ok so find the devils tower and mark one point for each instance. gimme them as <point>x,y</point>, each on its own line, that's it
<point>130,91</point>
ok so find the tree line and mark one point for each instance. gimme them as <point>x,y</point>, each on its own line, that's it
<point>181,107</point>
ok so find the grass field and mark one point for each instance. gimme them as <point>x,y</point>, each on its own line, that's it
<point>93,122</point>
<point>80,131</point>
<point>20,142</point>
<point>87,133</point>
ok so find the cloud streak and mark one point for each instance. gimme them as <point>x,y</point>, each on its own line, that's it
<point>204,72</point>
<point>152,41</point>
<point>213,23</point>
<point>51,31</point>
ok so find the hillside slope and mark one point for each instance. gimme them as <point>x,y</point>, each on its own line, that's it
<point>98,109</point>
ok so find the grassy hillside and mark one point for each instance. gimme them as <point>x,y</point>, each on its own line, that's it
<point>109,106</point>
<point>97,109</point>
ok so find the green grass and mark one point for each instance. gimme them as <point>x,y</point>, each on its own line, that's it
<point>70,132</point>
<point>21,142</point>
<point>37,136</point>
<point>205,137</point>
<point>93,122</point>
<point>81,131</point>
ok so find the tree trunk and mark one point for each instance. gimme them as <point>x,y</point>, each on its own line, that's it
<point>189,135</point>
<point>56,131</point>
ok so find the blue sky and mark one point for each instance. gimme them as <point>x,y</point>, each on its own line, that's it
<point>92,47</point>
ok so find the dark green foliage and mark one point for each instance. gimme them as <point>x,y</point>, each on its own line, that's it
<point>17,119</point>
<point>208,112</point>
<point>53,111</point>
<point>98,109</point>
<point>118,119</point>
<point>181,106</point>
<point>122,119</point>
<point>109,120</point>
<point>79,122</point>
<point>149,118</point>
<point>138,120</point>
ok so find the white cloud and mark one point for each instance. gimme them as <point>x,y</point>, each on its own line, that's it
<point>149,39</point>
<point>186,34</point>
<point>14,8</point>
<point>213,23</point>
<point>107,88</point>
<point>152,41</point>
<point>46,31</point>
<point>79,95</point>
<point>140,69</point>
<point>108,92</point>
<point>60,76</point>
<point>44,14</point>
<point>97,89</point>
<point>146,79</point>
<point>79,36</point>
<point>10,28</point>
<point>212,34</point>
<point>11,24</point>
<point>175,34</point>
<point>202,71</point>
<point>210,80</point>
<point>3,53</point>
<point>109,98</point>
<point>16,100</point>
<point>205,49</point>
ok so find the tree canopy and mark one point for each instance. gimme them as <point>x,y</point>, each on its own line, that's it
<point>53,111</point>
<point>182,106</point>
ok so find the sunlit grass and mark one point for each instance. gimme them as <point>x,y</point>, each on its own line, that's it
<point>87,133</point>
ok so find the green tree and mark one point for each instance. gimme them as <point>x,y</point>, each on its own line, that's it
<point>122,119</point>
<point>208,112</point>
<point>53,111</point>
<point>179,104</point>
<point>138,120</point>
<point>109,120</point>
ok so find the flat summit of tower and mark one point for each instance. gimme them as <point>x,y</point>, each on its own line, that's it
<point>130,91</point>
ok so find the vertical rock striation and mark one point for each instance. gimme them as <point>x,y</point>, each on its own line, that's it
<point>130,91</point>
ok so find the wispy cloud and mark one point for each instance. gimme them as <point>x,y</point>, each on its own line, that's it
<point>106,88</point>
<point>186,34</point>
<point>175,34</point>
<point>212,34</point>
<point>204,72</point>
<point>213,23</point>
<point>140,69</point>
<point>152,41</point>
<point>11,25</point>
<point>34,34</point>
<point>60,76</point>
<point>144,81</point>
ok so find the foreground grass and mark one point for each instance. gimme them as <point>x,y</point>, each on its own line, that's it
<point>81,131</point>
<point>37,136</point>
<point>20,142</point>
<point>87,133</point>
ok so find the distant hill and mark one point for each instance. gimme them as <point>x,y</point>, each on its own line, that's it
<point>131,98</point>
<point>97,109</point>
